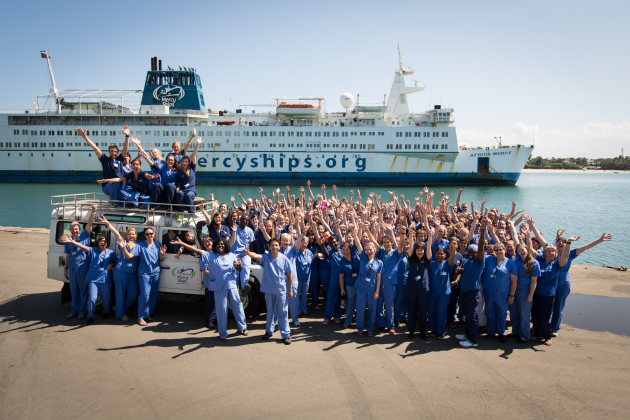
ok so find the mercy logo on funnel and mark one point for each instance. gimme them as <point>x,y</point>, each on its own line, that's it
<point>168,94</point>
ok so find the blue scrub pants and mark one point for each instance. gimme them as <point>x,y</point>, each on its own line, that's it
<point>452,305</point>
<point>400,303</point>
<point>496,311</point>
<point>93,291</point>
<point>365,298</point>
<point>333,299</point>
<point>520,312</point>
<point>124,194</point>
<point>210,315</point>
<point>163,193</point>
<point>385,305</point>
<point>111,190</point>
<point>541,312</point>
<point>149,284</point>
<point>277,307</point>
<point>351,304</point>
<point>294,303</point>
<point>313,284</point>
<point>185,197</point>
<point>417,303</point>
<point>78,288</point>
<point>324,278</point>
<point>221,299</point>
<point>303,295</point>
<point>136,196</point>
<point>469,302</point>
<point>437,313</point>
<point>126,290</point>
<point>562,293</point>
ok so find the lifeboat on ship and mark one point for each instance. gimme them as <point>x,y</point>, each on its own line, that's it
<point>297,110</point>
<point>225,122</point>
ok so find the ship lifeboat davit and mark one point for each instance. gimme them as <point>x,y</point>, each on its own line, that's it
<point>225,122</point>
<point>297,109</point>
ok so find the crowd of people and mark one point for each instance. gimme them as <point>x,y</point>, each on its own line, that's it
<point>426,262</point>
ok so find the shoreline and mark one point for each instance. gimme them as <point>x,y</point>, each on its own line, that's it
<point>573,171</point>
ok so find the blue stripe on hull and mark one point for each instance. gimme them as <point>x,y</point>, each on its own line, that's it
<point>258,178</point>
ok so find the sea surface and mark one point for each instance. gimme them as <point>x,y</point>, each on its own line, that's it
<point>584,204</point>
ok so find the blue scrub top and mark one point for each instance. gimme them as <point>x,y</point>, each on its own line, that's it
<point>275,280</point>
<point>563,275</point>
<point>167,241</point>
<point>496,279</point>
<point>178,158</point>
<point>368,272</point>
<point>112,168</point>
<point>149,257</point>
<point>186,182</point>
<point>167,176</point>
<point>223,232</point>
<point>291,254</point>
<point>524,279</point>
<point>350,269</point>
<point>439,278</point>
<point>98,273</point>
<point>471,276</point>
<point>131,265</point>
<point>439,244</point>
<point>547,282</point>
<point>141,185</point>
<point>223,274</point>
<point>323,265</point>
<point>303,264</point>
<point>390,261</point>
<point>243,239</point>
<point>77,257</point>
<point>403,271</point>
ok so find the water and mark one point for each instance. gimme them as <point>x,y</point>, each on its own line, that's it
<point>586,204</point>
<point>597,313</point>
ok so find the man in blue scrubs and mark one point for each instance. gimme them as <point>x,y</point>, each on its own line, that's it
<point>77,265</point>
<point>389,278</point>
<point>112,164</point>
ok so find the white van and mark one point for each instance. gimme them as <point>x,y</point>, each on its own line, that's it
<point>179,276</point>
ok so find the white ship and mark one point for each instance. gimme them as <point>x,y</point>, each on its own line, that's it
<point>377,144</point>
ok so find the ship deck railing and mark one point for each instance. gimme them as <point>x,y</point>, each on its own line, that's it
<point>69,205</point>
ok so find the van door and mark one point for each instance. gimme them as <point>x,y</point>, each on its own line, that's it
<point>181,275</point>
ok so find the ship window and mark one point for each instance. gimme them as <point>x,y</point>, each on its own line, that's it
<point>16,132</point>
<point>407,146</point>
<point>236,134</point>
<point>354,133</point>
<point>353,146</point>
<point>362,133</point>
<point>228,133</point>
<point>210,133</point>
<point>219,133</point>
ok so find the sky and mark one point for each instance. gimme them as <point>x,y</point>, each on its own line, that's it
<point>551,72</point>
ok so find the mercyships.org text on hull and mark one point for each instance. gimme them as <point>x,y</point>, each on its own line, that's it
<point>368,144</point>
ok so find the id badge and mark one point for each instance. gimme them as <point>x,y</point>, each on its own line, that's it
<point>101,269</point>
<point>115,165</point>
<point>186,186</point>
<point>74,253</point>
<point>418,278</point>
<point>129,264</point>
<point>354,274</point>
<point>442,273</point>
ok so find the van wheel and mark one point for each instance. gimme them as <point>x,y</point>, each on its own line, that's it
<point>250,299</point>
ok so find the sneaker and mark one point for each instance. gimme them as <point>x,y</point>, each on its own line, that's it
<point>90,321</point>
<point>467,344</point>
<point>410,335</point>
<point>71,315</point>
<point>553,333</point>
<point>442,336</point>
<point>488,336</point>
<point>180,218</point>
<point>370,334</point>
<point>392,332</point>
<point>359,333</point>
<point>317,307</point>
<point>296,323</point>
<point>326,321</point>
<point>461,337</point>
<point>337,320</point>
<point>267,336</point>
<point>381,330</point>
<point>81,316</point>
<point>210,325</point>
<point>520,340</point>
<point>346,326</point>
<point>287,341</point>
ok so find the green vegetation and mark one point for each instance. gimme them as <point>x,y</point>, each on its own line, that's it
<point>618,163</point>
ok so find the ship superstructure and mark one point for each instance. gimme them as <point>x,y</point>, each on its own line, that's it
<point>296,140</point>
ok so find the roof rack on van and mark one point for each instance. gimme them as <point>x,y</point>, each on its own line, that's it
<point>67,204</point>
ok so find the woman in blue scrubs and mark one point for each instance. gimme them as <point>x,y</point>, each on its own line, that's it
<point>499,279</point>
<point>163,190</point>
<point>138,180</point>
<point>440,290</point>
<point>368,285</point>
<point>546,285</point>
<point>126,272</point>
<point>333,294</point>
<point>185,180</point>
<point>528,271</point>
<point>150,254</point>
<point>101,260</point>
<point>303,266</point>
<point>223,269</point>
<point>349,268</point>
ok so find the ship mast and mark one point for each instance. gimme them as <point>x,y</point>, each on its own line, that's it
<point>53,90</point>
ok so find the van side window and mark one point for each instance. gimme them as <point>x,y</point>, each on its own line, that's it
<point>99,230</point>
<point>168,234</point>
<point>63,229</point>
<point>139,232</point>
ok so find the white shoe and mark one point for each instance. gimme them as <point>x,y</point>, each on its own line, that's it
<point>467,344</point>
<point>554,334</point>
<point>461,337</point>
<point>296,323</point>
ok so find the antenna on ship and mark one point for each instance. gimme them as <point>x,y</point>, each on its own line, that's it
<point>498,139</point>
<point>53,90</point>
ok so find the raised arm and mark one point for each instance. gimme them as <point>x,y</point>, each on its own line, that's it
<point>430,237</point>
<point>123,247</point>
<point>310,192</point>
<point>193,157</point>
<point>90,222</point>
<point>482,241</point>
<point>81,132</point>
<point>68,239</point>
<point>126,132</point>
<point>459,197</point>
<point>605,238</point>
<point>179,242</point>
<point>252,255</point>
<point>565,254</point>
<point>189,142</point>
<point>533,228</point>
<point>111,228</point>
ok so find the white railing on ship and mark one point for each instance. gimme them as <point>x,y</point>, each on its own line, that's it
<point>84,201</point>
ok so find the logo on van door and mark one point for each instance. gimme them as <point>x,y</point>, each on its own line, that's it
<point>183,275</point>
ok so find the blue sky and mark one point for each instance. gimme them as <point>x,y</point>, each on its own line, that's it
<point>553,70</point>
